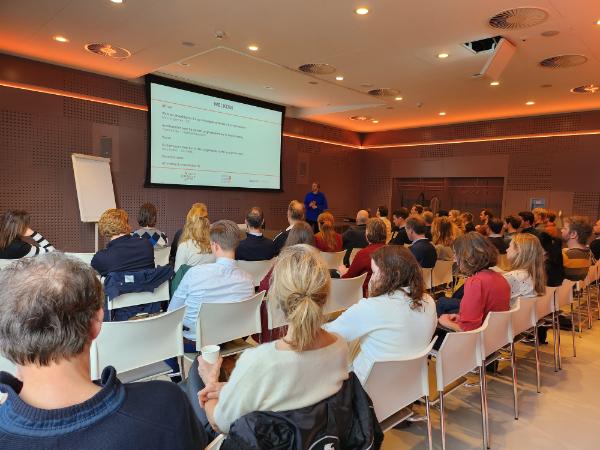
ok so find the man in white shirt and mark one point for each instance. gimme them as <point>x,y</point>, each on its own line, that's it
<point>220,282</point>
<point>295,214</point>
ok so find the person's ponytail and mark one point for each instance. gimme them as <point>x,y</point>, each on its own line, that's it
<point>306,319</point>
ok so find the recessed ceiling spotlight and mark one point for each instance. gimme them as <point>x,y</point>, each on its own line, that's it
<point>442,113</point>
<point>253,48</point>
<point>60,39</point>
<point>110,50</point>
<point>530,103</point>
<point>313,82</point>
<point>187,44</point>
<point>495,83</point>
<point>375,121</point>
<point>550,33</point>
<point>398,98</point>
<point>339,78</point>
<point>118,2</point>
<point>598,22</point>
<point>362,11</point>
<point>443,55</point>
<point>545,85</point>
<point>361,118</point>
<point>587,89</point>
<point>269,87</point>
<point>184,64</point>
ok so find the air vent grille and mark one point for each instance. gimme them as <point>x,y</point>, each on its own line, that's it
<point>109,50</point>
<point>384,92</point>
<point>587,89</point>
<point>317,69</point>
<point>563,61</point>
<point>518,18</point>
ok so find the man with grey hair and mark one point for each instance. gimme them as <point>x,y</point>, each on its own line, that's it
<point>220,282</point>
<point>355,237</point>
<point>50,312</point>
<point>255,247</point>
<point>295,214</point>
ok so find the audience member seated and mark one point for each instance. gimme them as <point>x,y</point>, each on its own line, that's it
<point>595,244</point>
<point>526,277</point>
<point>553,268</point>
<point>428,218</point>
<point>421,247</point>
<point>219,282</point>
<point>123,252</point>
<point>375,233</point>
<point>455,218</point>
<point>416,209</point>
<point>577,257</point>
<point>442,213</point>
<point>399,236</point>
<point>147,220</point>
<point>485,290</point>
<point>295,214</point>
<point>305,367</point>
<point>467,219</point>
<point>551,227</point>
<point>194,244</point>
<point>397,320</point>
<point>203,212</point>
<point>301,233</point>
<point>50,312</point>
<point>327,240</point>
<point>512,225</point>
<point>443,233</point>
<point>484,217</point>
<point>255,247</point>
<point>354,237</point>
<point>17,240</point>
<point>527,221</point>
<point>495,227</point>
<point>382,213</point>
<point>540,219</point>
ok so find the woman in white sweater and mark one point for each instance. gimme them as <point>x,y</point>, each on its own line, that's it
<point>306,366</point>
<point>397,320</point>
<point>194,244</point>
<point>527,275</point>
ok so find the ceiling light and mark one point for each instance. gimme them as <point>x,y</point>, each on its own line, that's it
<point>253,48</point>
<point>60,39</point>
<point>495,83</point>
<point>443,55</point>
<point>362,11</point>
<point>530,103</point>
<point>339,78</point>
<point>375,121</point>
<point>442,113</point>
<point>398,98</point>
<point>118,2</point>
<point>268,87</point>
<point>598,22</point>
<point>184,64</point>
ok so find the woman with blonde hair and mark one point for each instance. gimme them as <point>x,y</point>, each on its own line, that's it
<point>327,240</point>
<point>301,369</point>
<point>194,245</point>
<point>443,234</point>
<point>527,276</point>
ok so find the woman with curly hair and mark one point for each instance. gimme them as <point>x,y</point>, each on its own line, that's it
<point>194,245</point>
<point>485,290</point>
<point>443,234</point>
<point>397,320</point>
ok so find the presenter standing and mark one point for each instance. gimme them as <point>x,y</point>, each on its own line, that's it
<point>315,203</point>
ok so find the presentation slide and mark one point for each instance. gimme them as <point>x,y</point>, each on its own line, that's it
<point>204,140</point>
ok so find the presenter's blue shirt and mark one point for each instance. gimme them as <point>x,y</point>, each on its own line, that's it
<point>312,214</point>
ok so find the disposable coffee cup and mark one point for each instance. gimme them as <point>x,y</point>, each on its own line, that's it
<point>210,353</point>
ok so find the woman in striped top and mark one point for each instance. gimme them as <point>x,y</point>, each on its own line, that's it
<point>17,240</point>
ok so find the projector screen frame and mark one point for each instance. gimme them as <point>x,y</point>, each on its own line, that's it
<point>151,78</point>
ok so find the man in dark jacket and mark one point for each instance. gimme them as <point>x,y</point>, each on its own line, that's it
<point>255,247</point>
<point>355,237</point>
<point>399,236</point>
<point>421,247</point>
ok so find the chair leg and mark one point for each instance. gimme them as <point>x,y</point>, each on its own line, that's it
<point>537,358</point>
<point>554,341</point>
<point>484,408</point>
<point>578,314</point>
<point>428,412</point>
<point>589,306</point>
<point>573,331</point>
<point>442,419</point>
<point>513,363</point>
<point>181,367</point>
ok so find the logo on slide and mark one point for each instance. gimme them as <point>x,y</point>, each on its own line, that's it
<point>326,443</point>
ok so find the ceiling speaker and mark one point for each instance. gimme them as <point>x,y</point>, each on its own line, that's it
<point>496,64</point>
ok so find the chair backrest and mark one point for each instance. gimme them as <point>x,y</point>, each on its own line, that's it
<point>6,262</point>
<point>333,259</point>
<point>275,316</point>
<point>459,353</point>
<point>223,322</point>
<point>7,366</point>
<point>160,294</point>
<point>257,269</point>
<point>133,344</point>
<point>544,304</point>
<point>161,256</point>
<point>427,275</point>
<point>497,332</point>
<point>523,315</point>
<point>564,293</point>
<point>353,254</point>
<point>85,257</point>
<point>388,393</point>
<point>345,292</point>
<point>442,272</point>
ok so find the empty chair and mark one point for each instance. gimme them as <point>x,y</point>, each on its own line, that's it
<point>161,255</point>
<point>333,259</point>
<point>160,294</point>
<point>345,292</point>
<point>85,257</point>
<point>544,307</point>
<point>562,298</point>
<point>390,396</point>
<point>257,269</point>
<point>137,348</point>
<point>7,366</point>
<point>442,273</point>
<point>219,323</point>
<point>428,278</point>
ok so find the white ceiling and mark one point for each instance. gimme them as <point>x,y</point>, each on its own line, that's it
<point>394,46</point>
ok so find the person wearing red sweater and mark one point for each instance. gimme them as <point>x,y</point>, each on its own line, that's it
<point>376,234</point>
<point>327,240</point>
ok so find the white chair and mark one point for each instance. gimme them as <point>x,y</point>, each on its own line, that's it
<point>275,316</point>
<point>562,298</point>
<point>85,257</point>
<point>333,259</point>
<point>257,269</point>
<point>394,385</point>
<point>216,442</point>
<point>442,273</point>
<point>219,323</point>
<point>353,254</point>
<point>137,349</point>
<point>345,292</point>
<point>160,294</point>
<point>427,278</point>
<point>544,307</point>
<point>459,354</point>
<point>161,256</point>
<point>6,262</point>
<point>7,366</point>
